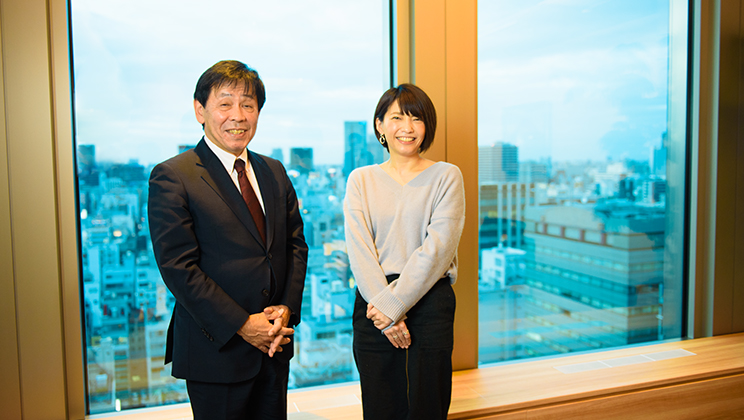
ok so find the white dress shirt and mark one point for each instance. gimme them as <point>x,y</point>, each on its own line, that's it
<point>228,161</point>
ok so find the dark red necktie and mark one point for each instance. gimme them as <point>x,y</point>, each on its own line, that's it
<point>249,196</point>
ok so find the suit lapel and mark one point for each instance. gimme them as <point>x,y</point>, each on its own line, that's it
<point>215,175</point>
<point>266,185</point>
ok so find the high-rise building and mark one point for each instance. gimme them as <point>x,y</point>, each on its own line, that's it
<point>593,274</point>
<point>184,147</point>
<point>537,172</point>
<point>654,190</point>
<point>377,151</point>
<point>87,169</point>
<point>301,159</point>
<point>356,153</point>
<point>86,157</point>
<point>626,188</point>
<point>501,267</point>
<point>277,154</point>
<point>502,209</point>
<point>498,163</point>
<point>657,164</point>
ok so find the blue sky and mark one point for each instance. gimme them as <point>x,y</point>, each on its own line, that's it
<point>573,79</point>
<point>570,79</point>
<point>137,62</point>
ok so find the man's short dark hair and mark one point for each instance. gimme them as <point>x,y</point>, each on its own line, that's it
<point>412,101</point>
<point>229,73</point>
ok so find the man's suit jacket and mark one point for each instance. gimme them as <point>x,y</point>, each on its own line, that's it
<point>214,262</point>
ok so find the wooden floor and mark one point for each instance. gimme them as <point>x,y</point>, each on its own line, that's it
<point>702,378</point>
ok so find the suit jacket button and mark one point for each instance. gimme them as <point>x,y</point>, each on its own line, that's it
<point>270,256</point>
<point>265,292</point>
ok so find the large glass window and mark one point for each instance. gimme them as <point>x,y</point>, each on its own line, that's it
<point>135,67</point>
<point>578,250</point>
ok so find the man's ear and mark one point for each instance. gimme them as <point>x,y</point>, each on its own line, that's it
<point>199,111</point>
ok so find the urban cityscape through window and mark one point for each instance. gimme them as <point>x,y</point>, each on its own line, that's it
<point>136,64</point>
<point>577,249</point>
<point>573,151</point>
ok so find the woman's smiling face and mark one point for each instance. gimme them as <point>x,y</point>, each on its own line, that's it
<point>404,133</point>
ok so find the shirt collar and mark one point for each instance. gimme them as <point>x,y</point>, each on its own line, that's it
<point>227,158</point>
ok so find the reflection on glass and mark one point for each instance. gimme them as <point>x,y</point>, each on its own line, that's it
<point>572,176</point>
<point>135,67</point>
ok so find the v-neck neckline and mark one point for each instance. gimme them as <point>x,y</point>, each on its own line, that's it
<point>395,182</point>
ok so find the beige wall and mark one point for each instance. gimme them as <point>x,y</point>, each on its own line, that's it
<point>442,55</point>
<point>717,190</point>
<point>41,350</point>
<point>32,295</point>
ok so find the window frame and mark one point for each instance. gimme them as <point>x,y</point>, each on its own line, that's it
<point>679,104</point>
<point>41,304</point>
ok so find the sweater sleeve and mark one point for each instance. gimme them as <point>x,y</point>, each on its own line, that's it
<point>360,243</point>
<point>430,261</point>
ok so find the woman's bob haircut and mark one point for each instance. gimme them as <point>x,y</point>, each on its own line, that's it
<point>411,101</point>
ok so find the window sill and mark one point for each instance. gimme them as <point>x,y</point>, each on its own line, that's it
<point>670,379</point>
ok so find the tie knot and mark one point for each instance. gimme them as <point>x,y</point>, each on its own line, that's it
<point>239,165</point>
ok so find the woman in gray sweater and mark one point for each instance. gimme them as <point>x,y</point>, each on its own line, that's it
<point>403,221</point>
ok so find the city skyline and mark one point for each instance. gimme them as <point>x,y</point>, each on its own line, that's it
<point>572,98</point>
<point>148,65</point>
<point>127,306</point>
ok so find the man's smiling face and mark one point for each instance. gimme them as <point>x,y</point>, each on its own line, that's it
<point>229,117</point>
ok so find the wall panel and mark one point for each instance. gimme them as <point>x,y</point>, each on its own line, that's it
<point>443,63</point>
<point>32,183</point>
<point>717,211</point>
<point>462,150</point>
<point>10,380</point>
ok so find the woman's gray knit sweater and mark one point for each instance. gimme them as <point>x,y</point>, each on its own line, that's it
<point>412,230</point>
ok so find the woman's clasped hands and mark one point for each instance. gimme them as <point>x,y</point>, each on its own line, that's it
<point>398,333</point>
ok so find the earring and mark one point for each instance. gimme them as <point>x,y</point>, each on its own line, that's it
<point>382,139</point>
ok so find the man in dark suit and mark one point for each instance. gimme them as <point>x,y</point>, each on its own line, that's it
<point>227,235</point>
